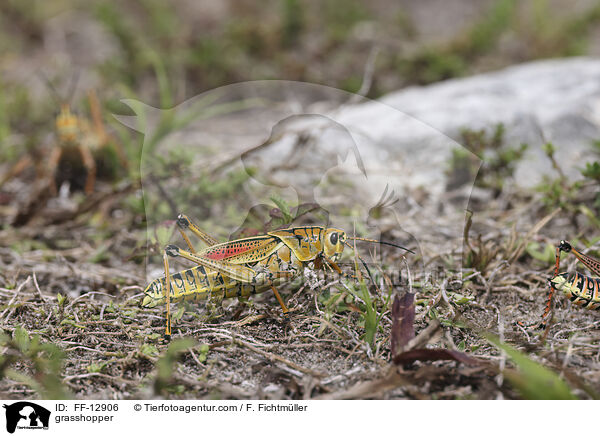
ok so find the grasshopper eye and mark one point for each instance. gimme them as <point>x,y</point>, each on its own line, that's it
<point>334,238</point>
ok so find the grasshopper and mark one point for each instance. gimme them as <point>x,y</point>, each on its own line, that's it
<point>85,136</point>
<point>244,267</point>
<point>579,288</point>
<point>74,134</point>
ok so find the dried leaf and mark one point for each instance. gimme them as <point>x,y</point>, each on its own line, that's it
<point>424,354</point>
<point>369,389</point>
<point>403,319</point>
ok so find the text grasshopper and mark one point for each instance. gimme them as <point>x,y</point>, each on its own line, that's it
<point>579,288</point>
<point>244,267</point>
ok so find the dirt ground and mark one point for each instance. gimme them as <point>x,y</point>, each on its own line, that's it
<point>82,294</point>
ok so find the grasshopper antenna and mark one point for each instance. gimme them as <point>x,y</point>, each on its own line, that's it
<point>53,92</point>
<point>73,85</point>
<point>381,242</point>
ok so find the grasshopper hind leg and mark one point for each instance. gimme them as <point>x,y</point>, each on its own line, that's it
<point>167,291</point>
<point>184,223</point>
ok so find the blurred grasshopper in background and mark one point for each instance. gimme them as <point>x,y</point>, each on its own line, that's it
<point>74,135</point>
<point>76,131</point>
<point>248,266</point>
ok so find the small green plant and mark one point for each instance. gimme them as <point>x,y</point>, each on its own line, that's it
<point>498,164</point>
<point>97,367</point>
<point>166,363</point>
<point>591,174</point>
<point>544,253</point>
<point>368,310</point>
<point>572,196</point>
<point>440,62</point>
<point>592,171</point>
<point>559,193</point>
<point>292,22</point>
<point>43,362</point>
<point>148,351</point>
<point>284,208</point>
<point>341,16</point>
<point>478,254</point>
<point>484,34</point>
<point>557,34</point>
<point>431,65</point>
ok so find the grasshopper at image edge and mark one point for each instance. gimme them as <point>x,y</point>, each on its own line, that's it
<point>579,288</point>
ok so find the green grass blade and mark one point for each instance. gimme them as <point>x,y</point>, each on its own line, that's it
<point>532,380</point>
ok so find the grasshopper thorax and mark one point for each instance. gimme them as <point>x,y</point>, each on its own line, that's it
<point>333,244</point>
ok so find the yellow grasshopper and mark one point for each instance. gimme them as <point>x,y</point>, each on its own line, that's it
<point>244,267</point>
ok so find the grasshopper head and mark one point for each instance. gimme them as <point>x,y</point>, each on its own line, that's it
<point>66,124</point>
<point>564,246</point>
<point>333,244</point>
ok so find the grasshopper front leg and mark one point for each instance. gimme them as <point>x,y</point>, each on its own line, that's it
<point>90,165</point>
<point>52,166</point>
<point>550,297</point>
<point>279,300</point>
<point>335,267</point>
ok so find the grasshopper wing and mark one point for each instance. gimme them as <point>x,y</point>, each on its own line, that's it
<point>240,251</point>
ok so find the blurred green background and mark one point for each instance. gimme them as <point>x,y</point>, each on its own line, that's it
<point>163,53</point>
<point>202,45</point>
